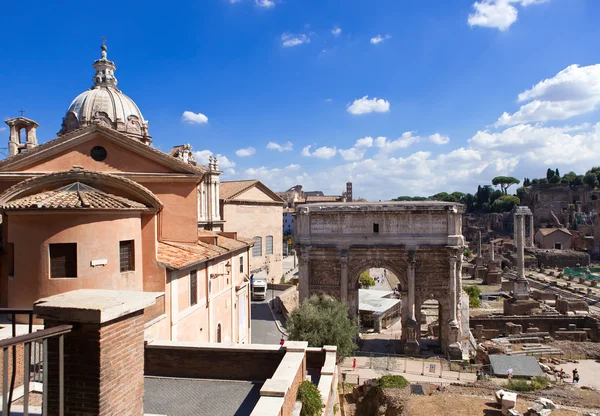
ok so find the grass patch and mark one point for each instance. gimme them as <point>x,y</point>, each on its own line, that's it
<point>537,383</point>
<point>392,382</point>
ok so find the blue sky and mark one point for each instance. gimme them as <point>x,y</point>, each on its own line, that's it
<point>402,97</point>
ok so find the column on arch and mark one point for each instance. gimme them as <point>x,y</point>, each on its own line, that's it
<point>344,276</point>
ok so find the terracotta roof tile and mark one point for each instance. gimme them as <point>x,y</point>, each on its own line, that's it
<point>230,189</point>
<point>323,198</point>
<point>548,231</point>
<point>74,196</point>
<point>180,255</point>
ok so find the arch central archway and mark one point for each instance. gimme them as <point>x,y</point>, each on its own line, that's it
<point>421,243</point>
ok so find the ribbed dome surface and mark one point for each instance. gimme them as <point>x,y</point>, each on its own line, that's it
<point>106,105</point>
<point>104,99</point>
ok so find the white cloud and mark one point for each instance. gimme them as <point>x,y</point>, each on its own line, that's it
<point>286,147</point>
<point>321,153</point>
<point>404,141</point>
<point>328,100</point>
<point>364,142</point>
<point>265,4</point>
<point>194,118</point>
<point>248,151</point>
<point>378,39</point>
<point>289,40</point>
<point>365,105</point>
<point>439,139</point>
<point>498,14</point>
<point>336,31</point>
<point>352,153</point>
<point>2,128</point>
<point>573,91</point>
<point>292,167</point>
<point>201,157</point>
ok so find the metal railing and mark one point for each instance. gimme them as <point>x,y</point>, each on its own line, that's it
<point>35,344</point>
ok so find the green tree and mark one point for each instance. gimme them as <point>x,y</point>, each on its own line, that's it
<point>505,203</point>
<point>557,173</point>
<point>310,396</point>
<point>554,179</point>
<point>467,252</point>
<point>590,179</point>
<point>366,280</point>
<point>505,182</point>
<point>578,181</point>
<point>549,173</point>
<point>443,196</point>
<point>569,178</point>
<point>473,292</point>
<point>323,320</point>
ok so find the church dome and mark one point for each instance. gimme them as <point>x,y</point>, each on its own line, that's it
<point>104,104</point>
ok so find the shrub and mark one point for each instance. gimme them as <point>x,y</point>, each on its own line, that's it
<point>323,320</point>
<point>392,382</point>
<point>467,252</point>
<point>537,383</point>
<point>366,280</point>
<point>473,292</point>
<point>310,396</point>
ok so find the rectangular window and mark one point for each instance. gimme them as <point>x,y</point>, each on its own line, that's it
<point>376,228</point>
<point>126,256</point>
<point>257,248</point>
<point>193,287</point>
<point>241,264</point>
<point>63,260</point>
<point>269,245</point>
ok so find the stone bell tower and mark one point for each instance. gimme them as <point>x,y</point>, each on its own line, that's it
<point>18,143</point>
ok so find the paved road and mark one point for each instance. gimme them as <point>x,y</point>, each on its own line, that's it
<point>264,329</point>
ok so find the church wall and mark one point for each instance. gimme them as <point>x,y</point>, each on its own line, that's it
<point>118,159</point>
<point>154,274</point>
<point>97,237</point>
<point>254,194</point>
<point>258,220</point>
<point>179,217</point>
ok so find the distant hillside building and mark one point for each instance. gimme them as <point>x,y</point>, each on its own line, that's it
<point>554,238</point>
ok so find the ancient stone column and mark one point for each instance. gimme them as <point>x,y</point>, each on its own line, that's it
<point>344,281</point>
<point>519,241</point>
<point>303,272</point>
<point>479,253</point>
<point>411,286</point>
<point>531,231</point>
<point>453,301</point>
<point>492,250</point>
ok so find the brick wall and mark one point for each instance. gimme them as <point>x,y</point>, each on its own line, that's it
<point>155,310</point>
<point>104,368</point>
<point>20,364</point>
<point>290,396</point>
<point>211,362</point>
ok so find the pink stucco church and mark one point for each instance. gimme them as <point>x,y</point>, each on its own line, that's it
<point>99,207</point>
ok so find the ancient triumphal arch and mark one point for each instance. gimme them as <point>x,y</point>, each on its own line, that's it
<point>420,242</point>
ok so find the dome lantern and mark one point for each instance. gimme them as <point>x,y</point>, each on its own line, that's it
<point>104,104</point>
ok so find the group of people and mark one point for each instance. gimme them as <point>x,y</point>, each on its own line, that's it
<point>561,375</point>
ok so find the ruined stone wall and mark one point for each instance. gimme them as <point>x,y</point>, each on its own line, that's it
<point>549,324</point>
<point>562,258</point>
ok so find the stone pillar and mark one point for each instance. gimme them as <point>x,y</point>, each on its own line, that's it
<point>103,354</point>
<point>519,241</point>
<point>344,277</point>
<point>479,253</point>
<point>453,294</point>
<point>411,346</point>
<point>303,273</point>
<point>493,255</point>
<point>453,327</point>
<point>531,231</point>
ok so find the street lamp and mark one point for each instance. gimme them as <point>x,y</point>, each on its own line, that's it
<point>273,292</point>
<point>227,269</point>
